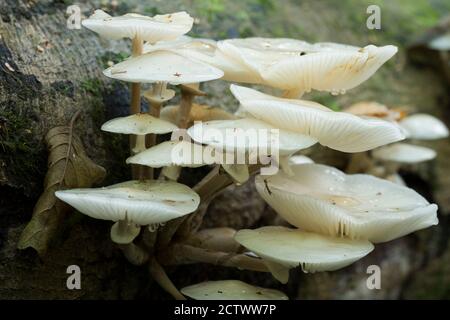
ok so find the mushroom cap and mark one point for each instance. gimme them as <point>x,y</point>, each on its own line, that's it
<point>142,202</point>
<point>292,247</point>
<point>198,113</point>
<point>171,153</point>
<point>333,71</point>
<point>424,127</point>
<point>337,130</point>
<point>323,199</point>
<point>138,124</point>
<point>404,153</point>
<point>297,65</point>
<point>187,154</point>
<point>163,66</point>
<point>231,290</point>
<point>248,134</point>
<point>151,29</point>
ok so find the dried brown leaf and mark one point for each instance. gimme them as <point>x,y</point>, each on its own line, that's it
<point>68,167</point>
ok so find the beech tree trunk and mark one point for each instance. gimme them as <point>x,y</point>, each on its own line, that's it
<point>48,72</point>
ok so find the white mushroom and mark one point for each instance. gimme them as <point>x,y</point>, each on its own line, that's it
<point>133,203</point>
<point>163,66</point>
<point>231,290</point>
<point>323,199</point>
<point>283,248</point>
<point>187,154</point>
<point>298,67</point>
<point>249,135</point>
<point>131,25</point>
<point>138,124</point>
<point>404,153</point>
<point>338,130</point>
<point>424,127</point>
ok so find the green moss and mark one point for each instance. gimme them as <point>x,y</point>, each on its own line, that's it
<point>112,57</point>
<point>21,152</point>
<point>93,86</point>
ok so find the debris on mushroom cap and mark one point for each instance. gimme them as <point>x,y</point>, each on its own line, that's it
<point>151,29</point>
<point>231,290</point>
<point>323,199</point>
<point>424,127</point>
<point>198,113</point>
<point>341,131</point>
<point>142,202</point>
<point>163,66</point>
<point>138,124</point>
<point>297,65</point>
<point>248,135</point>
<point>313,252</point>
<point>404,153</point>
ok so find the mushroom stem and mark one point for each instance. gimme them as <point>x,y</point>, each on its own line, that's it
<point>160,276</point>
<point>208,188</point>
<point>155,109</point>
<point>124,231</point>
<point>359,163</point>
<point>135,103</point>
<point>185,108</point>
<point>139,146</point>
<point>135,106</point>
<point>134,254</point>
<point>179,254</point>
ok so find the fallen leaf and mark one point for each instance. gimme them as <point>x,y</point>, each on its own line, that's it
<point>68,167</point>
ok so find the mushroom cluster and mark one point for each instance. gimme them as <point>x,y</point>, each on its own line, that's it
<point>335,217</point>
<point>386,161</point>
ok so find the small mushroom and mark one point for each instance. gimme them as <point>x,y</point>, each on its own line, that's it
<point>422,126</point>
<point>139,28</point>
<point>231,290</point>
<point>341,131</point>
<point>283,248</point>
<point>171,154</point>
<point>132,204</point>
<point>375,109</point>
<point>322,199</point>
<point>249,135</point>
<point>132,25</point>
<point>139,124</point>
<point>162,66</point>
<point>403,153</point>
